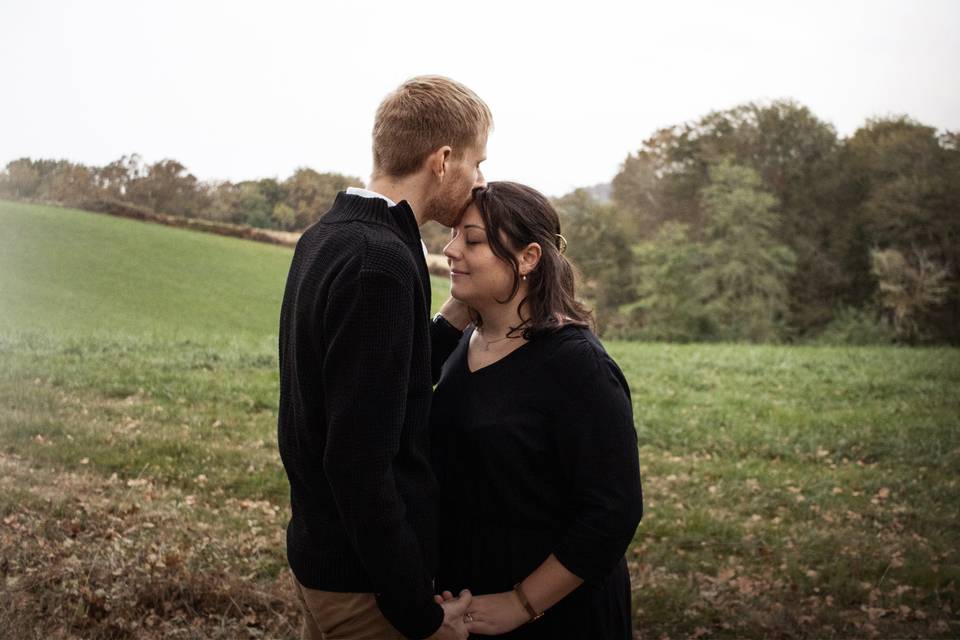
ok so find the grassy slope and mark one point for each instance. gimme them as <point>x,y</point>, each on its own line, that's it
<point>72,272</point>
<point>797,492</point>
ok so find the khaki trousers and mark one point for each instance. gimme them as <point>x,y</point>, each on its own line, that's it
<point>328,615</point>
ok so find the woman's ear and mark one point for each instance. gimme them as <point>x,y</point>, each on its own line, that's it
<point>529,258</point>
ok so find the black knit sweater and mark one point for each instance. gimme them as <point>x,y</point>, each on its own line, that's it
<point>536,454</point>
<point>355,391</point>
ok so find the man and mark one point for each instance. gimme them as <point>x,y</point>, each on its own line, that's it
<point>356,376</point>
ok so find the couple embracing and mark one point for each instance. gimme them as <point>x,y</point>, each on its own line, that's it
<point>499,503</point>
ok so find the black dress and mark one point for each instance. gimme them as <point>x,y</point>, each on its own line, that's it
<point>537,454</point>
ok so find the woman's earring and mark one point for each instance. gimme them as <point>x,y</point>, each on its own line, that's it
<point>524,278</point>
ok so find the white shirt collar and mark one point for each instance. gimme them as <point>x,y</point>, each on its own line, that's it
<point>366,193</point>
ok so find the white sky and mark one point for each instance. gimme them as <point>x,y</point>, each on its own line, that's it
<point>238,90</point>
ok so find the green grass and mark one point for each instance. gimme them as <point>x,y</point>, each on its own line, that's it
<point>70,272</point>
<point>171,331</point>
<point>789,491</point>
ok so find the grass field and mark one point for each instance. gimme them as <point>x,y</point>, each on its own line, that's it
<point>790,491</point>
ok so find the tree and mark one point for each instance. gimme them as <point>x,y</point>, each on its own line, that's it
<point>795,154</point>
<point>908,289</point>
<point>670,304</point>
<point>224,199</point>
<point>114,179</point>
<point>908,183</point>
<point>310,194</point>
<point>253,206</point>
<point>598,246</point>
<point>283,216</point>
<point>166,187</point>
<point>746,268</point>
<point>271,189</point>
<point>22,179</point>
<point>73,184</point>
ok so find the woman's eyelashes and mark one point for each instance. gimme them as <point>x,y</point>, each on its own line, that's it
<point>469,239</point>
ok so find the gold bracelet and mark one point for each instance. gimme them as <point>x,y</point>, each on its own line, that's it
<point>526,603</point>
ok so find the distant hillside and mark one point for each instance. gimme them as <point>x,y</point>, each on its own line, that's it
<point>72,271</point>
<point>602,192</point>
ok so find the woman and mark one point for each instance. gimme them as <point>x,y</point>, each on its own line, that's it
<point>533,438</point>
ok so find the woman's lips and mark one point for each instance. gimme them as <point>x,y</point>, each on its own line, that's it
<point>454,273</point>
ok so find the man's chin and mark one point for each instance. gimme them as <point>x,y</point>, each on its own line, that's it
<point>449,216</point>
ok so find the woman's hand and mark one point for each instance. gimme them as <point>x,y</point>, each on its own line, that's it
<point>495,613</point>
<point>456,313</point>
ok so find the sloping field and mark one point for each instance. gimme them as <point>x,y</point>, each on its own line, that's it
<point>66,271</point>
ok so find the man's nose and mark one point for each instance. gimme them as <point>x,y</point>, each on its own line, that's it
<point>481,181</point>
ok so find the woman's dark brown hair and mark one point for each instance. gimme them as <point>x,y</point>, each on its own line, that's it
<point>523,215</point>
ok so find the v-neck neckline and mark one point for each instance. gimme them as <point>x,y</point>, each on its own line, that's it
<point>466,355</point>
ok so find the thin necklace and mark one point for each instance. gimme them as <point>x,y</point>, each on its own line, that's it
<point>487,343</point>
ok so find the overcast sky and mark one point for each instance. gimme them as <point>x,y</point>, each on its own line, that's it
<point>238,90</point>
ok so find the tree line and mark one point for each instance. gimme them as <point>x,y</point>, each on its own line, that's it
<point>167,187</point>
<point>757,223</point>
<point>760,224</point>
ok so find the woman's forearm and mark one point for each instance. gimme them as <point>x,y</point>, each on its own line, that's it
<point>498,613</point>
<point>549,583</point>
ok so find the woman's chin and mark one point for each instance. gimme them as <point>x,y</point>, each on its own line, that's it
<point>460,294</point>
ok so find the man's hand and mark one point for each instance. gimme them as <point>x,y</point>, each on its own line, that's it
<point>456,313</point>
<point>496,613</point>
<point>453,627</point>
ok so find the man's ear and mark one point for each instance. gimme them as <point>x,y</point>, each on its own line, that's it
<point>437,162</point>
<point>530,257</point>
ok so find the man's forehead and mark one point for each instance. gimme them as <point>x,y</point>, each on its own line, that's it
<point>481,148</point>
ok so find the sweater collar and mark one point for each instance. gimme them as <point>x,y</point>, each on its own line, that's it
<point>399,217</point>
<point>366,193</point>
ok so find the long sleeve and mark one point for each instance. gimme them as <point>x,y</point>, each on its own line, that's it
<point>597,445</point>
<point>444,338</point>
<point>366,370</point>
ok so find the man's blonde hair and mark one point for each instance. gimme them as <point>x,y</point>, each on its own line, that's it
<point>422,115</point>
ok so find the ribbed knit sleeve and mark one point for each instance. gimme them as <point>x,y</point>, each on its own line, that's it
<point>444,338</point>
<point>597,445</point>
<point>365,374</point>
